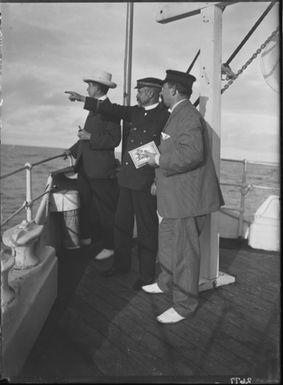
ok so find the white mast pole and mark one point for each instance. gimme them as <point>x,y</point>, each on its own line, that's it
<point>210,108</point>
<point>127,64</point>
<point>128,55</point>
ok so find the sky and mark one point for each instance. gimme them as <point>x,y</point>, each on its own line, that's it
<point>48,48</point>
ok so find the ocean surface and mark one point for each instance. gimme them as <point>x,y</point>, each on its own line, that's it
<point>13,188</point>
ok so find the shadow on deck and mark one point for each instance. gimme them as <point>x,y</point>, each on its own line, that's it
<point>101,330</point>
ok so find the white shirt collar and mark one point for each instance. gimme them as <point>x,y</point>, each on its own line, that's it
<point>103,97</point>
<point>151,107</point>
<point>176,104</point>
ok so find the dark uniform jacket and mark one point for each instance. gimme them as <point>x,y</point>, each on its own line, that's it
<point>145,126</point>
<point>96,155</point>
<point>187,184</point>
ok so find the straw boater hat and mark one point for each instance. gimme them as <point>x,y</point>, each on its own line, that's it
<point>101,77</point>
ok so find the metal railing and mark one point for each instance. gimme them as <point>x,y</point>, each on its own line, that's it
<point>244,187</point>
<point>28,203</point>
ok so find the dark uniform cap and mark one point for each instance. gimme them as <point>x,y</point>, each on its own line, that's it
<point>179,77</point>
<point>149,82</point>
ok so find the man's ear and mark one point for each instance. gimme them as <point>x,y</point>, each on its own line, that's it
<point>150,92</point>
<point>173,90</point>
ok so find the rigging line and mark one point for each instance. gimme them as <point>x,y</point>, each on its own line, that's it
<point>250,32</point>
<point>196,103</point>
<point>193,62</point>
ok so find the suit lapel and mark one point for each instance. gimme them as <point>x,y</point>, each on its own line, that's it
<point>174,112</point>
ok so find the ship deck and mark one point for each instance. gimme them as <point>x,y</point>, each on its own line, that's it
<point>101,330</point>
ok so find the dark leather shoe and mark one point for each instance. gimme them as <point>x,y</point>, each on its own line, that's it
<point>113,271</point>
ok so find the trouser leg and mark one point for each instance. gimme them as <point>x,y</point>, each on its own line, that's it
<point>123,230</point>
<point>165,253</point>
<point>186,265</point>
<point>147,234</point>
<point>88,215</point>
<point>105,194</point>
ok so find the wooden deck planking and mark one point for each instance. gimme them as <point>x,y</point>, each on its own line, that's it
<point>199,336</point>
<point>142,360</point>
<point>112,329</point>
<point>148,345</point>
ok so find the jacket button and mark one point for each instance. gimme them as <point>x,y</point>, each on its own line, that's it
<point>144,130</point>
<point>126,163</point>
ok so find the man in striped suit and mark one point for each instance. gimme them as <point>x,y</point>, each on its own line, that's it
<point>187,191</point>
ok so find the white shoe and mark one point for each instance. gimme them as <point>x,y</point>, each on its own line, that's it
<point>170,316</point>
<point>104,254</point>
<point>85,241</point>
<point>152,289</point>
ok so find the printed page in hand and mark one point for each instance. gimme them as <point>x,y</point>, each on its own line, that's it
<point>138,156</point>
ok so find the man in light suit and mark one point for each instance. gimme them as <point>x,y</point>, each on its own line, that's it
<point>187,191</point>
<point>96,167</point>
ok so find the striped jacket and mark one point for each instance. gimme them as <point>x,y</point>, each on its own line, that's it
<point>187,183</point>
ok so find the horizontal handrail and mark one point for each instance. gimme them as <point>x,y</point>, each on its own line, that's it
<point>250,162</point>
<point>24,205</point>
<point>13,172</point>
<point>230,184</point>
<point>250,186</point>
<point>63,155</point>
<point>30,165</point>
<point>28,203</point>
<point>244,187</point>
<point>232,160</point>
<point>230,208</point>
<point>264,187</point>
<point>48,159</point>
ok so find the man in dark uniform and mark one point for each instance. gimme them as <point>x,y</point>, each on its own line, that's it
<point>146,121</point>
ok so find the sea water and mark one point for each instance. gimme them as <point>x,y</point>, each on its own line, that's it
<point>13,188</point>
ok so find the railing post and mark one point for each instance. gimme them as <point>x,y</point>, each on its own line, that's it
<point>243,196</point>
<point>28,192</point>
